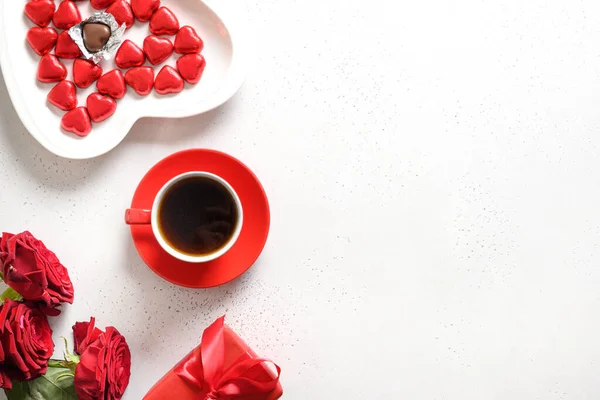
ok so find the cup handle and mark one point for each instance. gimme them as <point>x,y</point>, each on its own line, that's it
<point>135,216</point>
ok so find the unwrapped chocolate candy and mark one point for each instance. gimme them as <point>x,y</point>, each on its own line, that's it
<point>98,37</point>
<point>95,36</point>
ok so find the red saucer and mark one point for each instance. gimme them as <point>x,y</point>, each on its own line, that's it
<point>246,249</point>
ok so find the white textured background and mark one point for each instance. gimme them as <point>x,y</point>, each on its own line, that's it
<point>433,172</point>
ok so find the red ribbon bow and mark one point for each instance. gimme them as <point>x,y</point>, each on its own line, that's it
<point>205,371</point>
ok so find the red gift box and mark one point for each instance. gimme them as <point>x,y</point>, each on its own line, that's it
<point>223,367</point>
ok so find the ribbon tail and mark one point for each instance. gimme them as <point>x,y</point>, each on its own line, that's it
<point>213,352</point>
<point>205,366</point>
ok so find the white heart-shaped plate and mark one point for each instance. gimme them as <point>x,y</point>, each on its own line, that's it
<point>224,50</point>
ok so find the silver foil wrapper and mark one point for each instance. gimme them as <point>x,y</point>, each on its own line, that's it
<point>110,48</point>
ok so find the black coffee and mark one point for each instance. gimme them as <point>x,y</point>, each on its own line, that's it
<point>197,216</point>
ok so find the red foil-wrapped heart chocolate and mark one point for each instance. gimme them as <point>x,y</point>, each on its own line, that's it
<point>63,95</point>
<point>85,72</point>
<point>129,55</point>
<point>164,22</point>
<point>168,81</point>
<point>141,79</point>
<point>77,121</point>
<point>157,49</point>
<point>42,40</point>
<point>66,15</point>
<point>100,107</point>
<point>143,9</point>
<point>40,12</point>
<point>66,47</point>
<point>50,69</point>
<point>187,41</point>
<point>101,5</point>
<point>122,12</point>
<point>191,67</point>
<point>113,84</point>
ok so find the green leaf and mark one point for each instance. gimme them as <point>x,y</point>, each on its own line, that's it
<point>19,391</point>
<point>57,384</point>
<point>12,294</point>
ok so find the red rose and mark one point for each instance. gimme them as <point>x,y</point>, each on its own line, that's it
<point>105,363</point>
<point>25,342</point>
<point>84,334</point>
<point>34,271</point>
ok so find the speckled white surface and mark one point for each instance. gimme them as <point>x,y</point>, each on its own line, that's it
<point>435,228</point>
